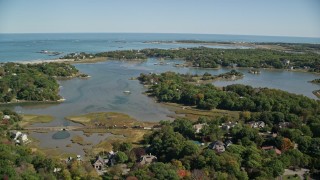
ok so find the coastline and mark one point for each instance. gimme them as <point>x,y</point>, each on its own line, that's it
<point>103,59</point>
<point>316,93</point>
<point>71,61</point>
<point>19,102</point>
<point>226,44</point>
<point>186,64</point>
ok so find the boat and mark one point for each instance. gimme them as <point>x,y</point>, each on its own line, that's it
<point>127,92</point>
<point>254,71</point>
<point>50,53</point>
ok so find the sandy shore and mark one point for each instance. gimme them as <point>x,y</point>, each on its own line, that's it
<point>93,60</point>
<point>45,61</point>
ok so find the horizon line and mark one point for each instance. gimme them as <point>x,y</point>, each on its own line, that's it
<point>156,33</point>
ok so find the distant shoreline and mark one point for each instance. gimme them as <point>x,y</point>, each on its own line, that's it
<point>72,61</point>
<point>104,59</point>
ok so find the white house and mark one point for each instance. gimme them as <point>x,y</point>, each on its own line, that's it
<point>258,124</point>
<point>198,127</point>
<point>228,125</point>
<point>147,159</point>
<point>6,117</point>
<point>19,137</point>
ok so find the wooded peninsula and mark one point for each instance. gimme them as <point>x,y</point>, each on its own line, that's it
<point>33,82</point>
<point>214,58</point>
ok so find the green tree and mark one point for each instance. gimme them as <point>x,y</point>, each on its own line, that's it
<point>190,148</point>
<point>184,127</point>
<point>121,157</point>
<point>275,168</point>
<point>163,171</point>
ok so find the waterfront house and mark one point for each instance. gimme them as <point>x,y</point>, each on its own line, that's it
<point>258,124</point>
<point>100,163</point>
<point>79,157</point>
<point>147,159</point>
<point>286,62</point>
<point>198,127</point>
<point>19,137</point>
<point>24,138</point>
<point>218,146</point>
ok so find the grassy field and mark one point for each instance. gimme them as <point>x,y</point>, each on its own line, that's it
<point>79,140</point>
<point>120,125</point>
<point>29,119</point>
<point>50,152</point>
<point>133,136</point>
<point>107,119</point>
<point>290,177</point>
<point>110,122</point>
<point>193,114</point>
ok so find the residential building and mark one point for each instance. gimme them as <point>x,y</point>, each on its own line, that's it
<point>198,127</point>
<point>218,146</point>
<point>228,125</point>
<point>268,148</point>
<point>147,159</point>
<point>258,124</point>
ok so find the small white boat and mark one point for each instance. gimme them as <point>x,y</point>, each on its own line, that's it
<point>127,92</point>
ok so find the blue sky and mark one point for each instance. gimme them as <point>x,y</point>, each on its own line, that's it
<point>246,17</point>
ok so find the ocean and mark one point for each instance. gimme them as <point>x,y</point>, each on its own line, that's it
<point>26,47</point>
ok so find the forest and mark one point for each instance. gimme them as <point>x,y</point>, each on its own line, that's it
<point>257,58</point>
<point>213,58</point>
<point>292,127</point>
<point>172,87</point>
<point>32,82</point>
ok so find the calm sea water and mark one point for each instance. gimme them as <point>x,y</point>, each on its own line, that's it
<point>104,90</point>
<point>22,47</point>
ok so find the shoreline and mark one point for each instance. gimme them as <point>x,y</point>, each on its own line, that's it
<point>316,93</point>
<point>20,102</point>
<point>186,64</point>
<point>72,61</point>
<point>104,59</point>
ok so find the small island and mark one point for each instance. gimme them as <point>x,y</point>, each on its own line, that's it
<point>316,81</point>
<point>152,79</point>
<point>50,53</point>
